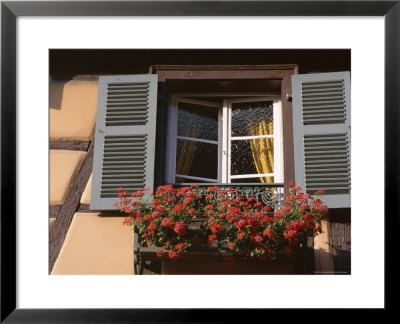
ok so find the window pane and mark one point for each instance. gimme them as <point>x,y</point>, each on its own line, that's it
<point>196,159</point>
<point>252,118</point>
<point>254,156</point>
<point>197,121</point>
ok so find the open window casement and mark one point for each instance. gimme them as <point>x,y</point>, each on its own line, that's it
<point>321,130</point>
<point>125,137</point>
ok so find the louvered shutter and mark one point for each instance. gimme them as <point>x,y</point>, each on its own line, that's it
<point>125,137</point>
<point>321,130</point>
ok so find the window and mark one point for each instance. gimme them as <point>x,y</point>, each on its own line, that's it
<point>225,140</point>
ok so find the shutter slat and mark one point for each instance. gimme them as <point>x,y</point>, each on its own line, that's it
<point>126,90</point>
<point>312,111</point>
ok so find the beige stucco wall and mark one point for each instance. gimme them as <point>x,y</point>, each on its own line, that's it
<point>323,251</point>
<point>85,199</point>
<point>73,106</point>
<point>64,166</point>
<point>96,245</point>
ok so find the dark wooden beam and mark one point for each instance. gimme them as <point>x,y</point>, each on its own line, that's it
<point>54,210</point>
<point>69,145</point>
<point>84,208</point>
<point>71,204</point>
<point>340,215</point>
<point>164,75</point>
<point>218,67</point>
<point>287,116</point>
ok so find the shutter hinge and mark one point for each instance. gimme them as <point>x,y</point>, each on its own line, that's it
<point>289,97</point>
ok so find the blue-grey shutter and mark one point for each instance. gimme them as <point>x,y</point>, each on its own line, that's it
<point>125,137</point>
<point>321,130</point>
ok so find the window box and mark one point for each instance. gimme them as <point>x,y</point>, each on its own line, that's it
<point>201,259</point>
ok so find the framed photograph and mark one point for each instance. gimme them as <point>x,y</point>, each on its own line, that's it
<point>255,108</point>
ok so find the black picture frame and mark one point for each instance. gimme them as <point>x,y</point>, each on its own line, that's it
<point>10,10</point>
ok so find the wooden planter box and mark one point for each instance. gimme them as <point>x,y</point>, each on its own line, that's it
<point>202,260</point>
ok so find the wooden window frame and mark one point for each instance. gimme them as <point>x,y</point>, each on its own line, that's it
<point>172,135</point>
<point>281,72</point>
<point>224,139</point>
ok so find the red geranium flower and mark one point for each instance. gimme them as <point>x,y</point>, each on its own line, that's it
<point>267,208</point>
<point>180,228</point>
<point>234,211</point>
<point>167,222</point>
<point>171,199</point>
<point>151,227</point>
<point>155,215</point>
<point>188,201</point>
<point>253,224</point>
<point>161,208</point>
<point>215,228</point>
<point>321,209</point>
<point>190,194</point>
<point>139,193</point>
<point>270,233</point>
<point>308,216</point>
<point>241,224</point>
<point>122,193</point>
<point>304,207</point>
<point>179,208</point>
<point>212,238</point>
<point>266,220</point>
<point>258,239</point>
<point>278,214</point>
<point>173,254</point>
<point>180,246</point>
<point>160,252</point>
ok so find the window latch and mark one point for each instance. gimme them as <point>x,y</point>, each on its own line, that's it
<point>289,97</point>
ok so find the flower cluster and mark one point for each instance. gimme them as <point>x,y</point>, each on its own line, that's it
<point>247,227</point>
<point>164,221</point>
<point>239,224</point>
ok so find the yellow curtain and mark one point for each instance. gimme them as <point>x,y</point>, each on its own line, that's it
<point>262,149</point>
<point>185,156</point>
